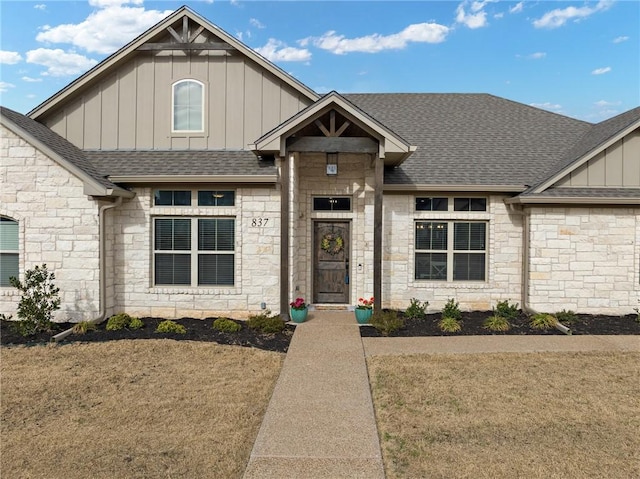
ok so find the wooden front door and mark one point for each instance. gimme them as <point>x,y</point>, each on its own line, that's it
<point>331,262</point>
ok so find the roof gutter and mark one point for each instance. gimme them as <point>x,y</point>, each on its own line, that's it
<point>103,270</point>
<point>572,200</point>
<point>271,178</point>
<point>466,188</point>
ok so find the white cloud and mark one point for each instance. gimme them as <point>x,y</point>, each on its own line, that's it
<point>40,6</point>
<point>9,58</point>
<point>554,107</point>
<point>517,8</point>
<point>104,30</point>
<point>256,23</point>
<point>537,55</point>
<point>600,71</point>
<point>558,17</point>
<point>477,18</point>
<point>620,39</point>
<point>59,62</point>
<point>277,51</point>
<point>31,80</point>
<point>604,103</point>
<point>4,86</point>
<point>416,33</point>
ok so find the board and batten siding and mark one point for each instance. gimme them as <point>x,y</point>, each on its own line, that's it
<point>616,166</point>
<point>131,107</point>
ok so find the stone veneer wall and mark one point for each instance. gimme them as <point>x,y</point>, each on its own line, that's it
<point>58,225</point>
<point>504,264</point>
<point>355,179</point>
<point>585,259</point>
<point>257,258</point>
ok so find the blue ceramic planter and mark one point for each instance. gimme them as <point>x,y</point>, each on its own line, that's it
<point>363,315</point>
<point>298,315</point>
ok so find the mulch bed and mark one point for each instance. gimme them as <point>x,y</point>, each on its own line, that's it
<point>197,330</point>
<point>472,324</point>
<point>202,330</point>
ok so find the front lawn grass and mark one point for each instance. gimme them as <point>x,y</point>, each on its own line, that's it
<point>549,415</point>
<point>153,408</point>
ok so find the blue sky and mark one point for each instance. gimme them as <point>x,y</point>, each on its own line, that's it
<point>577,58</point>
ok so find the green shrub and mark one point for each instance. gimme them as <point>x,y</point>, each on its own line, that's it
<point>39,300</point>
<point>169,326</point>
<point>123,320</point>
<point>265,323</point>
<point>136,323</point>
<point>226,325</point>
<point>497,323</point>
<point>452,310</point>
<point>543,321</point>
<point>386,322</point>
<point>506,310</point>
<point>83,327</point>
<point>416,309</point>
<point>450,325</point>
<point>566,317</point>
<point>118,321</point>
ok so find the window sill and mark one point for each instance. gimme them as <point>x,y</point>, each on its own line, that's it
<point>195,290</point>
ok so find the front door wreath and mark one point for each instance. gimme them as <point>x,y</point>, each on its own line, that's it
<point>332,243</point>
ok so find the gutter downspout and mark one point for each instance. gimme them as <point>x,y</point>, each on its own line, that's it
<point>103,273</point>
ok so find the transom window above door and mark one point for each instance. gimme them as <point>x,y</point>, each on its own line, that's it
<point>331,203</point>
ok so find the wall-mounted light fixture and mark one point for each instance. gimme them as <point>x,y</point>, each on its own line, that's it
<point>332,163</point>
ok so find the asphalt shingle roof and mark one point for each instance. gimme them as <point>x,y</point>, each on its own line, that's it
<point>179,162</point>
<point>57,144</point>
<point>472,139</point>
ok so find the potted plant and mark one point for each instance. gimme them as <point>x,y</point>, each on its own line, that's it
<point>298,310</point>
<point>364,310</point>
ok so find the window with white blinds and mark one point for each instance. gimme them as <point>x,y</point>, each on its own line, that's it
<point>9,246</point>
<point>188,106</point>
<point>450,250</point>
<point>194,251</point>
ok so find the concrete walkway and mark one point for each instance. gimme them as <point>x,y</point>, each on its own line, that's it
<point>320,421</point>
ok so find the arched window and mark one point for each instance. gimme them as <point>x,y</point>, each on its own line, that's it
<point>8,250</point>
<point>188,106</point>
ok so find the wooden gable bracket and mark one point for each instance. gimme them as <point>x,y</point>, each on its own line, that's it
<point>332,132</point>
<point>184,41</point>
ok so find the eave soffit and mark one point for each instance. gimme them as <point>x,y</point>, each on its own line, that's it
<point>148,41</point>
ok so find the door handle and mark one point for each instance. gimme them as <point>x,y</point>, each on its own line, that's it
<point>346,272</point>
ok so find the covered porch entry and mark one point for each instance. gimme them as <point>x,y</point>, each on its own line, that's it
<point>331,158</point>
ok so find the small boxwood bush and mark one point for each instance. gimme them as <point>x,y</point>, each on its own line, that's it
<point>416,309</point>
<point>506,310</point>
<point>452,310</point>
<point>226,325</point>
<point>169,326</point>
<point>386,322</point>
<point>265,323</point>
<point>566,317</point>
<point>123,320</point>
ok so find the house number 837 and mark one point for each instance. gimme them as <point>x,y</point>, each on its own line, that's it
<point>259,222</point>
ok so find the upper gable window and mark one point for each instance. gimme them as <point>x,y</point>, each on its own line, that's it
<point>188,106</point>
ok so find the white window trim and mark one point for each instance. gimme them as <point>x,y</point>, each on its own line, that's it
<point>202,109</point>
<point>13,251</point>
